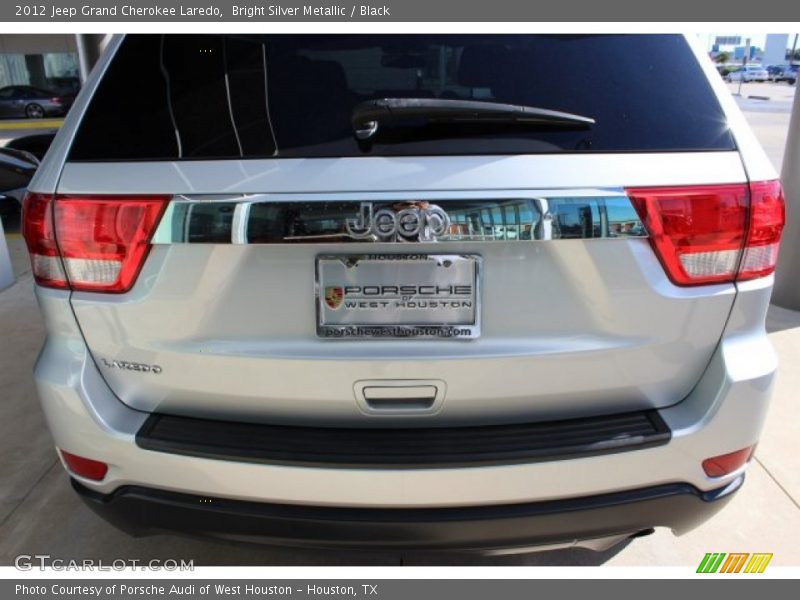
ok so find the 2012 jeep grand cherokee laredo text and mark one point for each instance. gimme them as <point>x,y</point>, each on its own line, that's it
<point>405,291</point>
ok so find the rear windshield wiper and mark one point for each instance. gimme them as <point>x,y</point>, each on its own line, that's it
<point>368,116</point>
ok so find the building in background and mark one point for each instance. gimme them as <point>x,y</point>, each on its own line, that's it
<point>752,53</point>
<point>775,49</point>
<point>41,60</point>
<point>735,47</point>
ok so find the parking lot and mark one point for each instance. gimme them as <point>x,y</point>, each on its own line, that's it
<point>40,514</point>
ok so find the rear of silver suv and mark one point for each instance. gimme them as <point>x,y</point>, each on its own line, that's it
<point>424,291</point>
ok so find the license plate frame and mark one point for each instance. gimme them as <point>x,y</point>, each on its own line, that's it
<point>447,305</point>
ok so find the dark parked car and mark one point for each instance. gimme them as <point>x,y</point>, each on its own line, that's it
<point>16,169</point>
<point>19,159</point>
<point>787,73</point>
<point>64,85</point>
<point>36,144</point>
<point>33,103</point>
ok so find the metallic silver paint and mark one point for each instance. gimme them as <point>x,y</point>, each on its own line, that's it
<point>568,328</point>
<point>401,175</point>
<point>724,412</point>
<point>597,327</point>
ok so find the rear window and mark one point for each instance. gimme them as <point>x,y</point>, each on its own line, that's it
<point>172,97</point>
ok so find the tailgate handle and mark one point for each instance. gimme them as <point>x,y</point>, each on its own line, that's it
<point>399,397</point>
<point>413,397</point>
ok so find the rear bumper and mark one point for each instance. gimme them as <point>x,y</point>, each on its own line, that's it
<point>387,448</point>
<point>724,413</point>
<point>140,511</point>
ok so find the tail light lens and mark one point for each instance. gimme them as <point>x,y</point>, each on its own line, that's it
<point>57,100</point>
<point>37,228</point>
<point>767,218</point>
<point>713,234</point>
<point>90,243</point>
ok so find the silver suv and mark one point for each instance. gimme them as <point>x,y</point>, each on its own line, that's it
<point>405,291</point>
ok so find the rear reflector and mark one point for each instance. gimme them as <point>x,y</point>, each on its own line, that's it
<point>85,467</point>
<point>713,234</point>
<point>90,243</point>
<point>717,466</point>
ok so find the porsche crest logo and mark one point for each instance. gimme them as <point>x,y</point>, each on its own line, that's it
<point>334,297</point>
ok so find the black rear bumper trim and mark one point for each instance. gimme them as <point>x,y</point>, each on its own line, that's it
<point>402,447</point>
<point>141,510</point>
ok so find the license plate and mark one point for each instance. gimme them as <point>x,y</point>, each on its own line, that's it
<point>433,296</point>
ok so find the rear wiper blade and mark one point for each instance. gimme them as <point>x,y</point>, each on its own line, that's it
<point>368,116</point>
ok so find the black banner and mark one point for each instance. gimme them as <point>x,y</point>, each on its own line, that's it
<point>444,11</point>
<point>387,589</point>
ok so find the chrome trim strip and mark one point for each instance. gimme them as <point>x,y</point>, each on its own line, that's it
<point>241,215</point>
<point>425,217</point>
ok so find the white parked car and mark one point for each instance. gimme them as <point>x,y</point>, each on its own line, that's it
<point>748,73</point>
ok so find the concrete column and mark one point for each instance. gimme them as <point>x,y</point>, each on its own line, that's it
<point>36,72</point>
<point>787,275</point>
<point>6,272</point>
<point>90,46</point>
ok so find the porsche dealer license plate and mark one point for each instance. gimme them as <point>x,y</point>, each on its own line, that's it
<point>398,296</point>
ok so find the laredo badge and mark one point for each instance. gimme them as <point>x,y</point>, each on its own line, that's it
<point>334,297</point>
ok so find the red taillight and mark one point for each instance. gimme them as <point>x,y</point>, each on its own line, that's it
<point>57,100</point>
<point>85,467</point>
<point>92,243</point>
<point>717,466</point>
<point>767,217</point>
<point>713,234</point>
<point>37,228</point>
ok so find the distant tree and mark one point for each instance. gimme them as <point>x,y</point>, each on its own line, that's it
<point>722,57</point>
